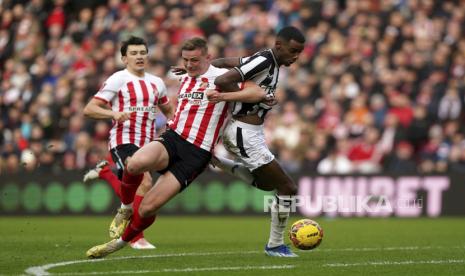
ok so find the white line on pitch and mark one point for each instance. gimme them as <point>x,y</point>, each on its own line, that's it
<point>188,269</point>
<point>42,270</point>
<point>411,262</point>
<point>389,248</point>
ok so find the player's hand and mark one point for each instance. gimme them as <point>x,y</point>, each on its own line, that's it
<point>178,70</point>
<point>121,116</point>
<point>213,96</point>
<point>270,100</point>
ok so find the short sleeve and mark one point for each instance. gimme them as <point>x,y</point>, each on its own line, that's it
<point>110,88</point>
<point>162,92</point>
<point>252,66</point>
<point>243,60</point>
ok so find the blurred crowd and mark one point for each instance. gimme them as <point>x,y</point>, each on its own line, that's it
<point>379,86</point>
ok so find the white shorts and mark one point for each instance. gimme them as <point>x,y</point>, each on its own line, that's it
<point>247,143</point>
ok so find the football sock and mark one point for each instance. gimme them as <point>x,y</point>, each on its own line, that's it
<point>138,237</point>
<point>234,169</point>
<point>280,209</point>
<point>107,175</point>
<point>137,200</point>
<point>129,186</point>
<point>120,242</point>
<point>136,226</point>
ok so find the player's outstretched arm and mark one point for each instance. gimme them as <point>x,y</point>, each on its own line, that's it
<point>228,81</point>
<point>226,62</point>
<point>97,109</point>
<point>252,93</point>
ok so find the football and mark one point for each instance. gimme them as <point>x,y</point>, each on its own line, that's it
<point>306,234</point>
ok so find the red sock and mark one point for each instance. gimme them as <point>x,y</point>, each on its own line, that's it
<point>135,206</point>
<point>129,186</point>
<point>107,175</point>
<point>138,237</point>
<point>136,226</point>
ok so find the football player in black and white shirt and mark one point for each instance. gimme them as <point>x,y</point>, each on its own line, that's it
<point>244,136</point>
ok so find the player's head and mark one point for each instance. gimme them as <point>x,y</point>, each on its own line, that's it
<point>195,57</point>
<point>289,44</point>
<point>134,54</point>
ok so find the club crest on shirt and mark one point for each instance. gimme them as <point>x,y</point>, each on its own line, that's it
<point>204,84</point>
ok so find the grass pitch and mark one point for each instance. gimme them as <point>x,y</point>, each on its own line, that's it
<point>234,246</point>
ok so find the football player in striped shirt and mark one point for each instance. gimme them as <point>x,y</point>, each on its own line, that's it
<point>183,151</point>
<point>131,98</point>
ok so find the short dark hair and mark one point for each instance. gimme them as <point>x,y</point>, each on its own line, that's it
<point>195,43</point>
<point>133,40</point>
<point>289,33</point>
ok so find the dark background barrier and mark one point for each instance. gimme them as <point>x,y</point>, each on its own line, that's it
<point>218,193</point>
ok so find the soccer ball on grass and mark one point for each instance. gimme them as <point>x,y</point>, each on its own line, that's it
<point>306,234</point>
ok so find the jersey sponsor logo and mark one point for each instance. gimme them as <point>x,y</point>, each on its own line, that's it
<point>151,109</point>
<point>193,96</point>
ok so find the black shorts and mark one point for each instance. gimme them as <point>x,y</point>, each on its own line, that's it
<point>119,154</point>
<point>186,161</point>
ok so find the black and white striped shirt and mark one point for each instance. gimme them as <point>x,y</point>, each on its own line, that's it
<point>263,69</point>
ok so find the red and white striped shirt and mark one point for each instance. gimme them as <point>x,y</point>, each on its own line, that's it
<point>197,120</point>
<point>139,96</point>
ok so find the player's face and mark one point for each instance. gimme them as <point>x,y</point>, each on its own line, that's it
<point>288,51</point>
<point>195,62</point>
<point>136,59</point>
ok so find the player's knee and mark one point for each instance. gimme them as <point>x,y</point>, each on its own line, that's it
<point>293,190</point>
<point>290,188</point>
<point>134,166</point>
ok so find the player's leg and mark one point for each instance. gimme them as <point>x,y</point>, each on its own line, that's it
<point>233,168</point>
<point>152,156</point>
<point>137,161</point>
<point>139,241</point>
<point>166,187</point>
<point>247,143</point>
<point>272,174</point>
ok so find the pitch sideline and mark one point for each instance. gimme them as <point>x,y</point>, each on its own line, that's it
<point>411,262</point>
<point>42,270</point>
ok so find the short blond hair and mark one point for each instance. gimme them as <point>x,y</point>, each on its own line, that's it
<point>195,43</point>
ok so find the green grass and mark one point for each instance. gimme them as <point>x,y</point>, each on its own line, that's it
<point>366,246</point>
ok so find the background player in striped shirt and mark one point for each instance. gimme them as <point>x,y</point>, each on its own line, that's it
<point>184,150</point>
<point>131,98</point>
<point>244,136</point>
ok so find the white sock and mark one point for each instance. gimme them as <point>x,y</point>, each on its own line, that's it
<point>280,209</point>
<point>234,169</point>
<point>126,206</point>
<point>120,242</point>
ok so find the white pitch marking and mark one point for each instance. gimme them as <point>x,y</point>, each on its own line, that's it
<point>42,270</point>
<point>396,263</point>
<point>188,269</point>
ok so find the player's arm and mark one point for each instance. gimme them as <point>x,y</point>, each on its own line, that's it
<point>98,109</point>
<point>167,110</point>
<point>226,62</point>
<point>228,81</point>
<point>252,93</point>
<point>248,68</point>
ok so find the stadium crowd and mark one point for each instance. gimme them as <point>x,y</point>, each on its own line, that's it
<point>379,87</point>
